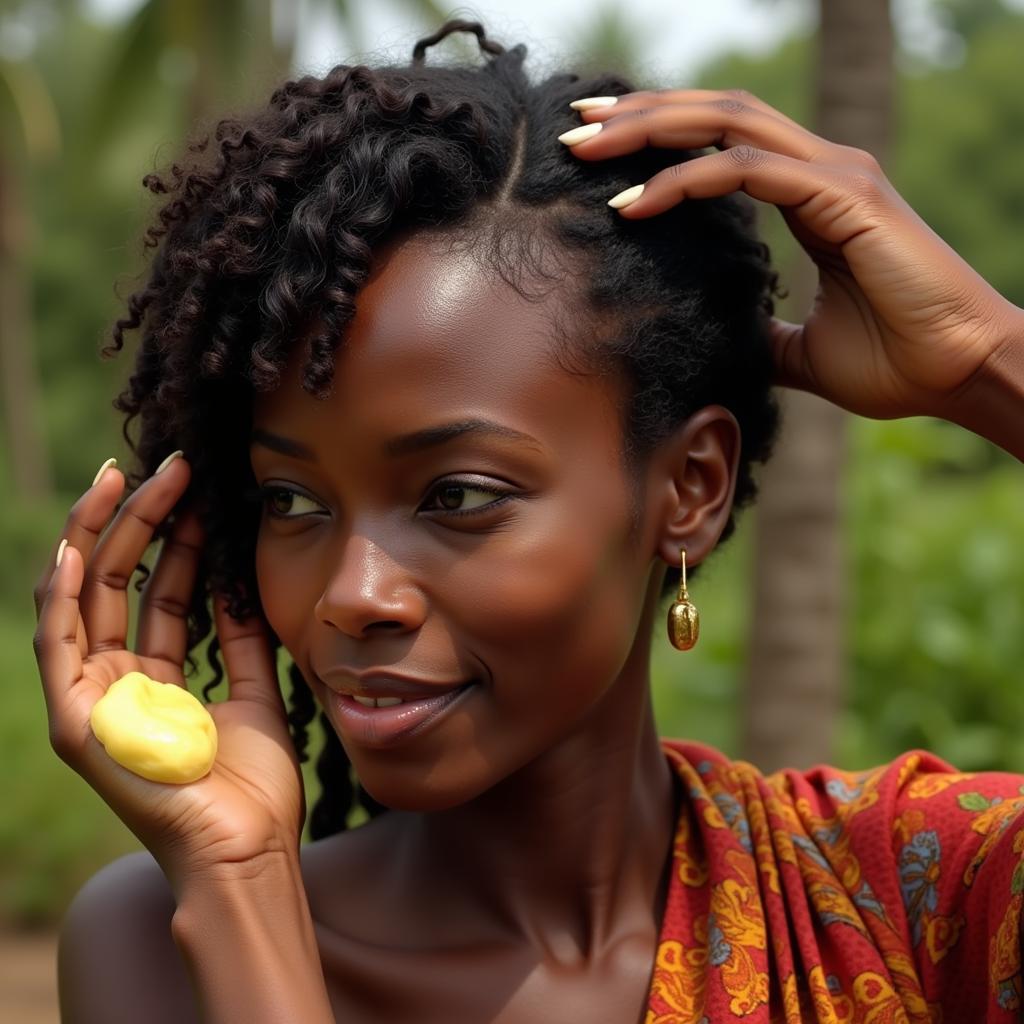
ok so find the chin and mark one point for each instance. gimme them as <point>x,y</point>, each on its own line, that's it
<point>422,802</point>
<point>400,794</point>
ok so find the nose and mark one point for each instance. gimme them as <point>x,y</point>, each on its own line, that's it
<point>368,592</point>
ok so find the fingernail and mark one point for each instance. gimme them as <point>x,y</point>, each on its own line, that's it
<point>581,134</point>
<point>60,550</point>
<point>594,102</point>
<point>106,465</point>
<point>170,458</point>
<point>627,196</point>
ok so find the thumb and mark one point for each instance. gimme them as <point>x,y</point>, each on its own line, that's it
<point>790,356</point>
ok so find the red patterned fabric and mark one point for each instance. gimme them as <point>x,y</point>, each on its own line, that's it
<point>890,896</point>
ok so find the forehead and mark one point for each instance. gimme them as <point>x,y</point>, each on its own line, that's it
<point>436,336</point>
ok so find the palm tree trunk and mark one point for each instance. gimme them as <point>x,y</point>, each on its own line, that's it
<point>30,467</point>
<point>796,673</point>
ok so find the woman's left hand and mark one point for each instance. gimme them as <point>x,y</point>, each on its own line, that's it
<point>901,324</point>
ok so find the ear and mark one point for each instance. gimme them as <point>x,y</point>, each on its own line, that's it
<point>694,484</point>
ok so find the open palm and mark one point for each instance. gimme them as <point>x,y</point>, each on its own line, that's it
<point>252,800</point>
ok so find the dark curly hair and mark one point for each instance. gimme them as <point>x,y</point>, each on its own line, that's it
<point>268,236</point>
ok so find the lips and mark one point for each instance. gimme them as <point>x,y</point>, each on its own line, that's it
<point>386,684</point>
<point>382,727</point>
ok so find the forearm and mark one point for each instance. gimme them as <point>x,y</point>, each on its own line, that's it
<point>992,403</point>
<point>246,935</point>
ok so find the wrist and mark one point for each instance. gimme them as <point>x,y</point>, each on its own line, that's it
<point>241,892</point>
<point>991,402</point>
<point>230,875</point>
<point>246,936</point>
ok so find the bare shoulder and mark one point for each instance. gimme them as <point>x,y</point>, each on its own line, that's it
<point>116,960</point>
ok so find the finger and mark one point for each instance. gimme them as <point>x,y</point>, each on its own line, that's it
<point>830,202</point>
<point>669,97</point>
<point>167,596</point>
<point>55,642</point>
<point>790,357</point>
<point>83,526</point>
<point>248,660</point>
<point>104,598</point>
<point>693,126</point>
<point>82,529</point>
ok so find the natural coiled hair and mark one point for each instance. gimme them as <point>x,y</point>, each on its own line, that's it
<point>267,237</point>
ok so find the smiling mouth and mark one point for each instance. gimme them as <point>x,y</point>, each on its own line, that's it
<point>386,689</point>
<point>390,702</point>
<point>387,721</point>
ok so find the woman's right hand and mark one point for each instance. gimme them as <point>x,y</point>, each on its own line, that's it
<point>252,802</point>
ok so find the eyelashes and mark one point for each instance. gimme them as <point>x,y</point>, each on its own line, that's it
<point>445,488</point>
<point>266,494</point>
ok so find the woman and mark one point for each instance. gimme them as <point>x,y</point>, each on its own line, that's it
<point>459,383</point>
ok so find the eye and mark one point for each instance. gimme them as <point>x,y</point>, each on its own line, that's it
<point>463,497</point>
<point>279,502</point>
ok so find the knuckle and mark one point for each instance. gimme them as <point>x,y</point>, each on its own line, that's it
<point>747,156</point>
<point>864,185</point>
<point>675,172</point>
<point>641,114</point>
<point>38,644</point>
<point>743,95</point>
<point>132,509</point>
<point>862,158</point>
<point>732,107</point>
<point>75,512</point>
<point>107,579</point>
<point>181,546</point>
<point>167,603</point>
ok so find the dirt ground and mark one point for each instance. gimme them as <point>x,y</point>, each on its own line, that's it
<point>28,978</point>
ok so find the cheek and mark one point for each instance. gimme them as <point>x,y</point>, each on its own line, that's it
<point>286,605</point>
<point>558,605</point>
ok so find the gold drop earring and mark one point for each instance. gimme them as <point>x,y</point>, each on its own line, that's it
<point>683,620</point>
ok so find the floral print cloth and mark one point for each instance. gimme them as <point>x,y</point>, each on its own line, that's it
<point>889,896</point>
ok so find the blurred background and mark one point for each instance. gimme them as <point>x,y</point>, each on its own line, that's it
<point>870,603</point>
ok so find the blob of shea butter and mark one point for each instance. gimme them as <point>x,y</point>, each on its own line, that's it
<point>157,730</point>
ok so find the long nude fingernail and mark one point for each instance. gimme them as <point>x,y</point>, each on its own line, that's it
<point>60,550</point>
<point>625,197</point>
<point>106,465</point>
<point>581,134</point>
<point>170,458</point>
<point>594,102</point>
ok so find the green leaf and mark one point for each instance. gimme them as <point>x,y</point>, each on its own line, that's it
<point>1017,882</point>
<point>973,802</point>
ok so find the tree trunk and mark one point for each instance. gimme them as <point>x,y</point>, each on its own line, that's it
<point>796,672</point>
<point>30,466</point>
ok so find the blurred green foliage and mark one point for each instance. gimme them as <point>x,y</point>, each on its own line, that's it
<point>935,541</point>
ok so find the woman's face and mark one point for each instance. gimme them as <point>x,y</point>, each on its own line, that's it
<point>455,512</point>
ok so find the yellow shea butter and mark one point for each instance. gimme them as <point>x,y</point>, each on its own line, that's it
<point>157,730</point>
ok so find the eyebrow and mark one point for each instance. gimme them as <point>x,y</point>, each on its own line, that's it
<point>284,445</point>
<point>432,436</point>
<point>406,444</point>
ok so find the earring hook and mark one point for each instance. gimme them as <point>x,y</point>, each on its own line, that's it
<point>683,595</point>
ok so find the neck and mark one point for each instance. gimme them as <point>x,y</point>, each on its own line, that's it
<point>571,853</point>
